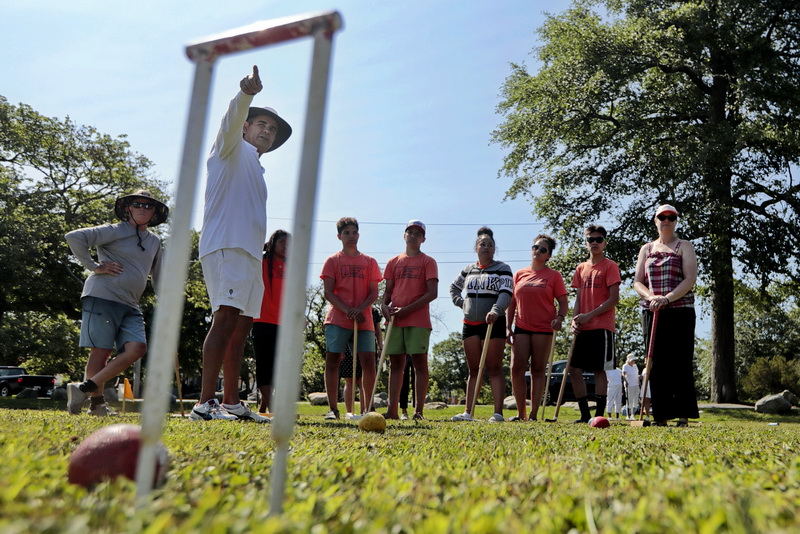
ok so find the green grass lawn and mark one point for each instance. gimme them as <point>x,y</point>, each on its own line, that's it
<point>732,473</point>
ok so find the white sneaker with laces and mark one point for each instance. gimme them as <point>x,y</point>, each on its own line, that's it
<point>496,418</point>
<point>75,398</point>
<point>210,410</point>
<point>243,412</point>
<point>463,417</point>
<point>102,410</point>
<point>352,416</point>
<point>331,416</point>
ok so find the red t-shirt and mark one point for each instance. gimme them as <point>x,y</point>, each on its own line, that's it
<point>271,302</point>
<point>352,276</point>
<point>592,282</point>
<point>535,293</point>
<point>411,275</point>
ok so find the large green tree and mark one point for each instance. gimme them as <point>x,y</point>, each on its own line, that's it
<point>55,176</point>
<point>695,103</point>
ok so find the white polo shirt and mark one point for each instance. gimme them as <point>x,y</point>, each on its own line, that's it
<point>235,214</point>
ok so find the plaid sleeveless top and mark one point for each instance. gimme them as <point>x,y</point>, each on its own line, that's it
<point>663,272</point>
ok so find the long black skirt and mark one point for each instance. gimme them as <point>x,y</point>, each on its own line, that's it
<point>672,374</point>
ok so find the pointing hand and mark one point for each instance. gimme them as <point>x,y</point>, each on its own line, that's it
<point>251,84</point>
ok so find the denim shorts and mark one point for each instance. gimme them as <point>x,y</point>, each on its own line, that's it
<point>107,324</point>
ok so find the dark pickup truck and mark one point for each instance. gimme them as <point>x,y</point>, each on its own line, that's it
<point>14,379</point>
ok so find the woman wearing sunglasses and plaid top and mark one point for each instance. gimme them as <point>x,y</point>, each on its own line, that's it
<point>666,271</point>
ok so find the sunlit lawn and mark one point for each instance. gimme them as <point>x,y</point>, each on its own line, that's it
<point>732,472</point>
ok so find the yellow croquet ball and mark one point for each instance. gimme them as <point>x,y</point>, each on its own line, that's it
<point>372,422</point>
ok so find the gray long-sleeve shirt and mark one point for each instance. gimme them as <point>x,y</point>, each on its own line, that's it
<point>118,243</point>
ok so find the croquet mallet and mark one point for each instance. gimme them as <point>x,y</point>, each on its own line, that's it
<point>563,381</point>
<point>481,367</point>
<point>381,361</point>
<point>648,366</point>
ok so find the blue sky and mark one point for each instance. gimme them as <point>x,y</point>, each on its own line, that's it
<point>414,89</point>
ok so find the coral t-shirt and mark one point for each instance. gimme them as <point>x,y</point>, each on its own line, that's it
<point>593,282</point>
<point>271,301</point>
<point>411,275</point>
<point>352,276</point>
<point>535,293</point>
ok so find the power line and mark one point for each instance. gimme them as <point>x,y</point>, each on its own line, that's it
<point>426,224</point>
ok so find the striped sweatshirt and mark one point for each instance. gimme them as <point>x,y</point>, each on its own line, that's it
<point>488,289</point>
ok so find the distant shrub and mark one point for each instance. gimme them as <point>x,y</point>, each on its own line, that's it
<point>771,375</point>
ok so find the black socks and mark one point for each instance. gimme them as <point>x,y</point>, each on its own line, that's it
<point>583,404</point>
<point>88,386</point>
<point>601,405</point>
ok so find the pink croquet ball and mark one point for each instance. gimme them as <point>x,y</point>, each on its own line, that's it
<point>111,452</point>
<point>599,422</point>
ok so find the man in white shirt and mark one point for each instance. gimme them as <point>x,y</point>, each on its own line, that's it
<point>630,374</point>
<point>231,244</point>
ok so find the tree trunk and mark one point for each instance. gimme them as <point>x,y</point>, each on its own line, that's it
<point>723,347</point>
<point>721,155</point>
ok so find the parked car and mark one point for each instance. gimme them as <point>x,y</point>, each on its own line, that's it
<point>557,376</point>
<point>15,379</point>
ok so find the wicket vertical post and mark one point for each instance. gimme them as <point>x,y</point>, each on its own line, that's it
<point>290,335</point>
<point>169,312</point>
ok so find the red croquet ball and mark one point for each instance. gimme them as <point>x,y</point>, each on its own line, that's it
<point>111,452</point>
<point>599,422</point>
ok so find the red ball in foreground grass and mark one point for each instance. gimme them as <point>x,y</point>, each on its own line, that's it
<point>111,452</point>
<point>599,422</point>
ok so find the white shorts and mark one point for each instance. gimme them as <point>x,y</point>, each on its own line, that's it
<point>233,278</point>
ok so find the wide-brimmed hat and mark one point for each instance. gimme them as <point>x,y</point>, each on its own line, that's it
<point>284,130</point>
<point>159,216</point>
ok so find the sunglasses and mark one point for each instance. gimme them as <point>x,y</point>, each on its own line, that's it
<point>662,217</point>
<point>543,250</point>
<point>598,240</point>
<point>145,205</point>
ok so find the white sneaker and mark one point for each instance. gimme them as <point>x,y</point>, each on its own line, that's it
<point>332,415</point>
<point>352,416</point>
<point>404,417</point>
<point>496,418</point>
<point>102,410</point>
<point>75,398</point>
<point>210,410</point>
<point>463,417</point>
<point>243,412</point>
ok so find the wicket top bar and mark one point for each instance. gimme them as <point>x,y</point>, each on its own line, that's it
<point>263,33</point>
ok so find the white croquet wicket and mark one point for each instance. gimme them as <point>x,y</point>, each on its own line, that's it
<point>168,313</point>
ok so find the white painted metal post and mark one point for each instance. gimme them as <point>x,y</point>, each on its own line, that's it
<point>169,312</point>
<point>292,320</point>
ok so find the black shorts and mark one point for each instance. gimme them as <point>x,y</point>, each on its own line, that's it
<point>518,330</point>
<point>594,350</point>
<point>265,340</point>
<point>498,330</point>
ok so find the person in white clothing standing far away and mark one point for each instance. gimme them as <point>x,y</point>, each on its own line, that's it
<point>234,230</point>
<point>614,405</point>
<point>630,374</point>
